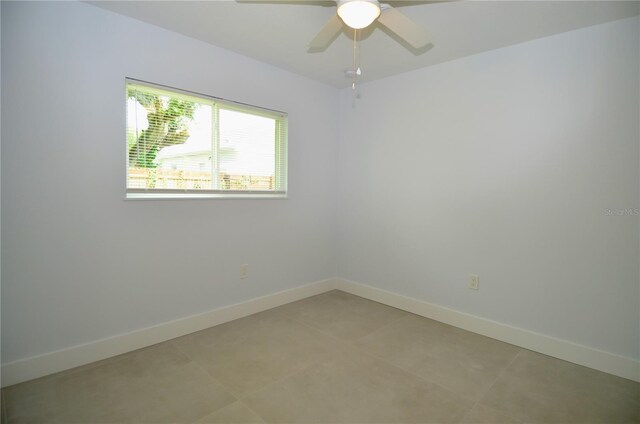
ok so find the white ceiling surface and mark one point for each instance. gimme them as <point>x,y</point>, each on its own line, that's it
<point>279,33</point>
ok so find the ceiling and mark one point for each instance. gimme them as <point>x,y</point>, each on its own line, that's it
<point>279,33</point>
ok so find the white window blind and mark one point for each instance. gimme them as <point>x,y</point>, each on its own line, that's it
<point>181,144</point>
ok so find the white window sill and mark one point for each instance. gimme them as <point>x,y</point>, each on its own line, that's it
<point>178,196</point>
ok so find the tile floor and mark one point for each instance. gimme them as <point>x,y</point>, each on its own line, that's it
<point>332,358</point>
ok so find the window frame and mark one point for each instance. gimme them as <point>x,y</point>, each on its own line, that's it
<point>280,159</point>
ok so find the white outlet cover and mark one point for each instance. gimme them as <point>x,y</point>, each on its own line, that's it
<point>244,271</point>
<point>474,282</point>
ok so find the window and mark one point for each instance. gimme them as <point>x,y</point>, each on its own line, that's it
<point>181,144</point>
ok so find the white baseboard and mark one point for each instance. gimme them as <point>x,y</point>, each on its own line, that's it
<point>562,349</point>
<point>49,363</point>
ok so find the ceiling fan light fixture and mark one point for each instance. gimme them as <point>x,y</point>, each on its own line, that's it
<point>358,14</point>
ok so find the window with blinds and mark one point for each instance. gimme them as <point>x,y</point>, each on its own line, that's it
<point>181,144</point>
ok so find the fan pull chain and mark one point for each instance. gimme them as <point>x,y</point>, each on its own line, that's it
<point>359,53</point>
<point>356,71</point>
<point>355,58</point>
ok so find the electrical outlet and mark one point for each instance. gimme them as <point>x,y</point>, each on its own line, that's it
<point>474,282</point>
<point>244,271</point>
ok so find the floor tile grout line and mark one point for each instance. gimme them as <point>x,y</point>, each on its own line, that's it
<point>307,325</point>
<point>314,328</point>
<point>201,368</point>
<point>394,320</point>
<point>425,379</point>
<point>330,359</point>
<point>119,357</point>
<point>89,365</point>
<point>420,377</point>
<point>409,315</point>
<point>351,344</point>
<point>337,338</point>
<point>233,394</point>
<point>240,397</point>
<point>252,410</point>
<point>243,397</point>
<point>344,351</point>
<point>80,368</point>
<point>491,387</point>
<point>501,374</point>
<point>116,358</point>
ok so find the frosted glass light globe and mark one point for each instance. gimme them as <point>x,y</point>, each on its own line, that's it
<point>358,14</point>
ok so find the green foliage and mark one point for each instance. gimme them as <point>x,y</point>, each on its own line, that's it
<point>168,125</point>
<point>131,138</point>
<point>146,158</point>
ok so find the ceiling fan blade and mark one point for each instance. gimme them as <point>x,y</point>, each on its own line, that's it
<point>404,27</point>
<point>400,3</point>
<point>326,3</point>
<point>326,35</point>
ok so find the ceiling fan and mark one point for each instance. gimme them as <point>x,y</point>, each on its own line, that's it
<point>359,14</point>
